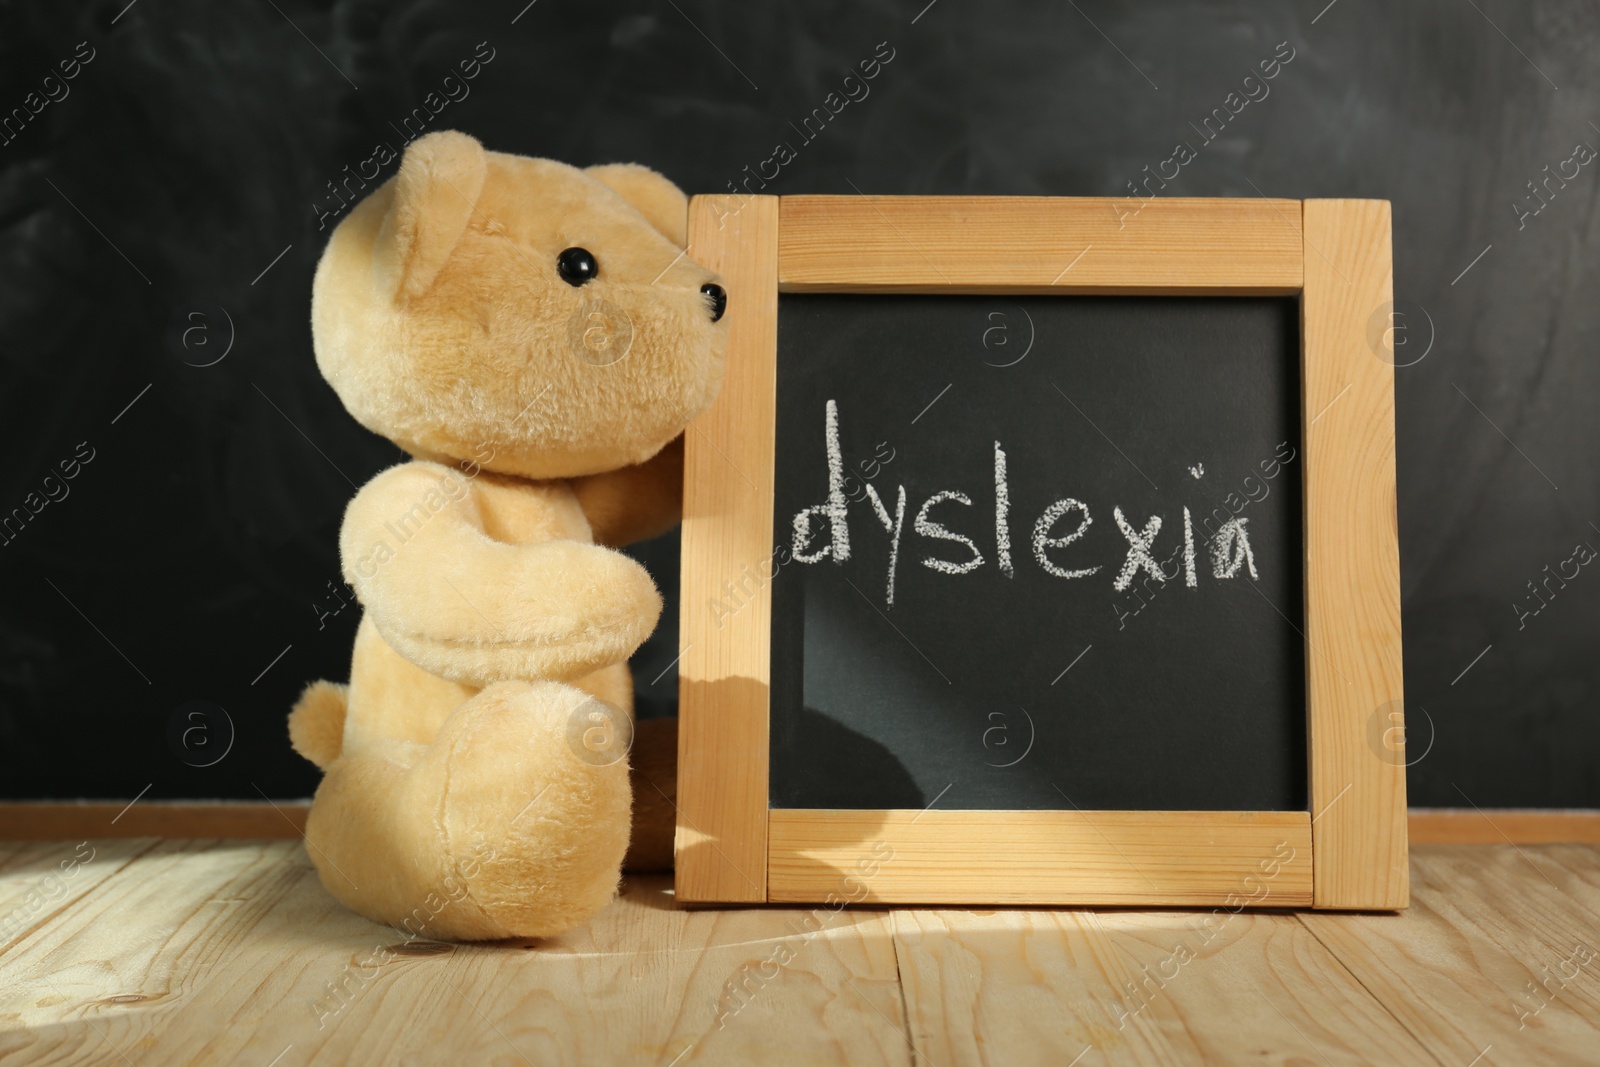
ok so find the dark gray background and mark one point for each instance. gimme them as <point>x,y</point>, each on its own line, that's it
<point>190,152</point>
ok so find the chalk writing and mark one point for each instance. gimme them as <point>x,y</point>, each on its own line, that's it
<point>822,531</point>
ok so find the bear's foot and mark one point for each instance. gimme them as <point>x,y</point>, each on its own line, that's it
<point>513,822</point>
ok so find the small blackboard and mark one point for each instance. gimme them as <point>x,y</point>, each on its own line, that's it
<point>1043,551</point>
<point>1058,560</point>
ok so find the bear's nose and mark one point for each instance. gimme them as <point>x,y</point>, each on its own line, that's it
<point>719,299</point>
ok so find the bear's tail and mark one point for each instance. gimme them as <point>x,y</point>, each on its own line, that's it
<point>316,725</point>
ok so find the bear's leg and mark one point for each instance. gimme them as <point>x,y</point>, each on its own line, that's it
<point>512,822</point>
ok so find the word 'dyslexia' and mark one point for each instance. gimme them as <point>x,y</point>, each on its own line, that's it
<point>822,531</point>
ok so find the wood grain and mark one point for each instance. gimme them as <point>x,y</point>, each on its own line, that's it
<point>1485,923</point>
<point>726,609</point>
<point>993,244</point>
<point>1352,625</point>
<point>1041,857</point>
<point>207,953</point>
<point>1049,989</point>
<point>41,879</point>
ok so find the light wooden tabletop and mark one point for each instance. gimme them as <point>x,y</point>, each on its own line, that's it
<point>147,952</point>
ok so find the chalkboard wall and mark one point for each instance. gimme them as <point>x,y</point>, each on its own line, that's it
<point>165,173</point>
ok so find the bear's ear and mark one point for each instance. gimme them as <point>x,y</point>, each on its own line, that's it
<point>435,193</point>
<point>661,203</point>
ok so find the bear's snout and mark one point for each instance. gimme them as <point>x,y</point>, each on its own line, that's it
<point>718,299</point>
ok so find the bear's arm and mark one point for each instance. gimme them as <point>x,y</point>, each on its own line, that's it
<point>635,503</point>
<point>455,601</point>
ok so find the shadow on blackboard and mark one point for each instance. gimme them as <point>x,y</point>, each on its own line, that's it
<point>851,769</point>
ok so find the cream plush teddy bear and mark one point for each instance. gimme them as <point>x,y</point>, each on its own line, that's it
<point>535,337</point>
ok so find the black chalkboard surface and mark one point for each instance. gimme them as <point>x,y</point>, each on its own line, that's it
<point>1038,640</point>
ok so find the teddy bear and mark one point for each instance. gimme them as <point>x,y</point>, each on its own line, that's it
<point>535,337</point>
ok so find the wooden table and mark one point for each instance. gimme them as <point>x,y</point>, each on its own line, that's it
<point>189,952</point>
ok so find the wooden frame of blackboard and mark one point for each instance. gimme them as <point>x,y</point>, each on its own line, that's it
<point>1348,850</point>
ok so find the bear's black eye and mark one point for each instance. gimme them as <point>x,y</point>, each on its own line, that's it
<point>577,266</point>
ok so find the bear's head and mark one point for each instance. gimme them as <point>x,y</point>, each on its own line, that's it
<point>530,317</point>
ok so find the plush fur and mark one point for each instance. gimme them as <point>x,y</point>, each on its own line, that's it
<point>473,787</point>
